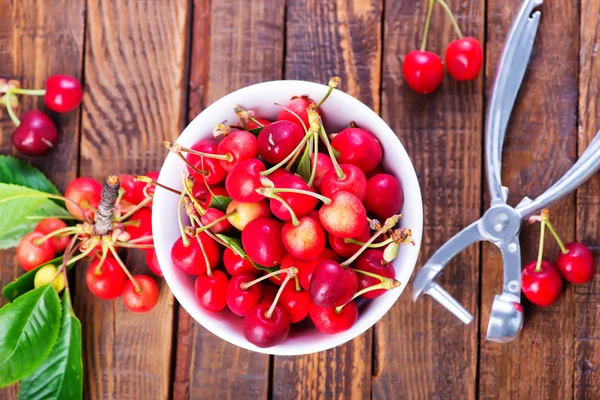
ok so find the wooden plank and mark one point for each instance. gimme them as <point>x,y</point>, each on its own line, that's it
<point>587,333</point>
<point>542,128</point>
<point>442,134</point>
<point>326,39</point>
<point>37,40</point>
<point>134,72</point>
<point>232,47</point>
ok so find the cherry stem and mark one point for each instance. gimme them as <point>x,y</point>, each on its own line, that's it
<point>298,287</point>
<point>134,246</point>
<point>371,274</point>
<point>189,164</point>
<point>257,122</point>
<point>452,19</point>
<point>137,286</point>
<point>216,221</point>
<point>338,171</point>
<point>427,24</point>
<point>68,229</point>
<point>150,181</point>
<point>98,269</point>
<point>11,112</point>
<point>289,156</point>
<point>196,220</point>
<point>246,285</point>
<point>28,92</point>
<point>140,239</point>
<point>372,245</point>
<point>545,217</point>
<point>225,157</point>
<point>81,255</point>
<point>538,265</point>
<point>389,223</point>
<point>206,261</point>
<point>386,283</point>
<point>333,82</point>
<point>188,191</point>
<point>292,272</point>
<point>184,238</point>
<point>313,172</point>
<point>141,205</point>
<point>324,199</point>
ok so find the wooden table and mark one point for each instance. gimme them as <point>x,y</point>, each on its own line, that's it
<point>150,66</point>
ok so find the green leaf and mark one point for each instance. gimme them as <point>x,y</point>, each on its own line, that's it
<point>13,212</point>
<point>61,374</point>
<point>28,331</point>
<point>24,283</point>
<point>220,202</point>
<point>20,173</point>
<point>236,245</point>
<point>304,164</point>
<point>256,131</point>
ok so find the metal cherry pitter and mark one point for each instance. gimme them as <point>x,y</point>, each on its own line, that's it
<point>501,223</point>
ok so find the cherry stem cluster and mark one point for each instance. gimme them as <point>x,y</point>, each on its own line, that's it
<point>389,224</point>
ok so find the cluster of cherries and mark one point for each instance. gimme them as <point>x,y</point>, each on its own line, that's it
<point>36,134</point>
<point>542,281</point>
<point>107,276</point>
<point>298,203</point>
<point>423,70</point>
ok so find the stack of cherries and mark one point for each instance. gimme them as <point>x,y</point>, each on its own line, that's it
<point>423,70</point>
<point>541,280</point>
<point>35,133</point>
<point>288,210</point>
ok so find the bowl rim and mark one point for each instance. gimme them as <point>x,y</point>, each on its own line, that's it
<point>163,255</point>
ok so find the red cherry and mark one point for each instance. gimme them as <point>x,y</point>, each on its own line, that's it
<point>577,265</point>
<point>252,125</point>
<point>86,193</point>
<point>278,174</point>
<point>344,217</point>
<point>306,241</point>
<point>423,71</point>
<point>302,204</point>
<point>262,241</point>
<point>210,291</point>
<point>269,293</point>
<point>145,299</point>
<point>542,288</point>
<point>134,190</point>
<point>106,282</point>
<point>372,261</point>
<point>152,262</point>
<point>355,182</point>
<point>348,249</point>
<point>36,135</point>
<point>212,214</point>
<point>298,105</point>
<point>241,145</point>
<point>358,147</point>
<point>384,196</point>
<point>144,226</point>
<point>324,164</point>
<point>329,321</point>
<point>277,140</point>
<point>464,58</point>
<point>236,265</point>
<point>263,331</point>
<point>378,170</point>
<point>243,180</point>
<point>49,225</point>
<point>212,167</point>
<point>305,270</point>
<point>30,254</point>
<point>218,191</point>
<point>241,301</point>
<point>296,303</point>
<point>332,285</point>
<point>190,259</point>
<point>63,93</point>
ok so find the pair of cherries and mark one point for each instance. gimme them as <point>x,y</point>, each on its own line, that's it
<point>423,70</point>
<point>542,281</point>
<point>35,132</point>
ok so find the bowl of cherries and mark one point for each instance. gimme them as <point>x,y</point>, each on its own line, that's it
<point>287,217</point>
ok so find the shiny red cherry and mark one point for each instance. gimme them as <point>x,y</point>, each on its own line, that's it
<point>236,265</point>
<point>344,249</point>
<point>541,288</point>
<point>143,300</point>
<point>277,140</point>
<point>354,182</point>
<point>63,93</point>
<point>213,214</point>
<point>49,225</point>
<point>241,145</point>
<point>299,106</point>
<point>143,227</point>
<point>213,170</point>
<point>241,300</point>
<point>31,254</point>
<point>84,192</point>
<point>372,261</point>
<point>262,241</point>
<point>210,291</point>
<point>464,58</point>
<point>243,180</point>
<point>344,217</point>
<point>384,196</point>
<point>302,204</point>
<point>134,190</point>
<point>263,330</point>
<point>330,321</point>
<point>296,303</point>
<point>190,259</point>
<point>107,281</point>
<point>577,265</point>
<point>36,135</point>
<point>332,285</point>
<point>305,270</point>
<point>423,71</point>
<point>358,147</point>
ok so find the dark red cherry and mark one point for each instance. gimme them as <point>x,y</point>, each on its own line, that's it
<point>277,140</point>
<point>358,147</point>
<point>384,196</point>
<point>344,249</point>
<point>262,241</point>
<point>36,135</point>
<point>372,261</point>
<point>241,300</point>
<point>332,285</point>
<point>263,330</point>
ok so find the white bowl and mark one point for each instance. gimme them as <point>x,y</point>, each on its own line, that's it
<point>338,111</point>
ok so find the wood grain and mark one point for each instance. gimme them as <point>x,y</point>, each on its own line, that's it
<point>233,45</point>
<point>135,63</point>
<point>421,350</point>
<point>540,146</point>
<point>587,333</point>
<point>31,51</point>
<point>325,39</point>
